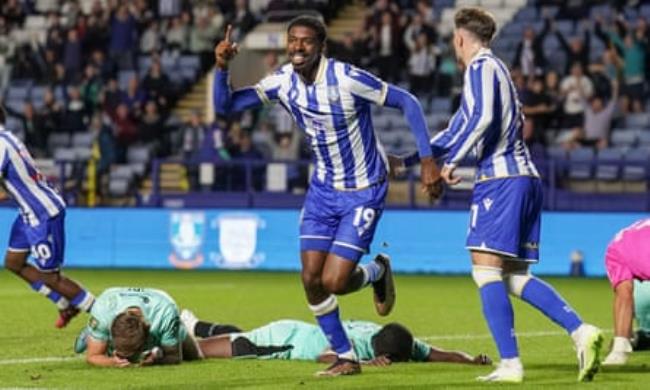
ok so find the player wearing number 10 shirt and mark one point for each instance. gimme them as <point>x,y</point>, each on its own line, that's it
<point>38,230</point>
<point>330,101</point>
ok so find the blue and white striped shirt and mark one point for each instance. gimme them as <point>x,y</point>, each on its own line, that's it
<point>334,112</point>
<point>37,200</point>
<point>488,122</point>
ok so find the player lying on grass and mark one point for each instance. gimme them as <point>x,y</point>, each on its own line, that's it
<point>373,343</point>
<point>626,259</point>
<point>141,326</point>
<point>38,232</point>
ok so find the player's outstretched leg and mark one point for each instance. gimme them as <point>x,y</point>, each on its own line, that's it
<point>205,329</point>
<point>69,297</point>
<point>587,338</point>
<point>498,313</point>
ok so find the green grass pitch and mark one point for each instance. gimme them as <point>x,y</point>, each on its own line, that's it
<point>444,310</point>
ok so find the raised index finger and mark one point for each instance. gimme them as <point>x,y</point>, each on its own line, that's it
<point>228,32</point>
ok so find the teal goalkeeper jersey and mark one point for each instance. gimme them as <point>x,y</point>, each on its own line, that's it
<point>159,310</point>
<point>309,342</point>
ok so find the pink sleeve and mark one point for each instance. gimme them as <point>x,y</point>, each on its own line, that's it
<point>617,270</point>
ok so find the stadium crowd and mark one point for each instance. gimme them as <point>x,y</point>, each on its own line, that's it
<point>115,69</point>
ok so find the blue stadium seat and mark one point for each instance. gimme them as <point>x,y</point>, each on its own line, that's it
<point>14,125</point>
<point>83,140</point>
<point>17,93</point>
<point>640,120</point>
<point>58,140</point>
<point>64,154</point>
<point>580,163</point>
<point>566,27</point>
<point>189,61</point>
<point>644,138</point>
<point>381,122</point>
<point>645,11</point>
<point>636,164</point>
<point>624,137</point>
<point>556,153</point>
<point>528,14</point>
<point>441,105</point>
<point>609,163</point>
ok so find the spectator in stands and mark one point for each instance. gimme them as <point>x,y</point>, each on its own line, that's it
<point>538,105</point>
<point>72,57</point>
<point>91,87</point>
<point>134,97</point>
<point>575,88</point>
<point>346,50</point>
<point>111,96</point>
<point>447,71</point>
<point>75,115</point>
<point>72,13</point>
<point>96,36</point>
<point>7,47</point>
<point>32,129</point>
<point>125,130</point>
<point>25,67</point>
<point>429,17</point>
<point>55,43</point>
<point>123,37</point>
<point>597,122</point>
<point>177,35</point>
<point>104,68</point>
<point>13,12</point>
<point>578,49</point>
<point>630,45</point>
<point>552,89</point>
<point>421,65</point>
<point>386,39</point>
<point>191,136</point>
<point>202,36</point>
<point>414,29</point>
<point>529,56</point>
<point>157,85</point>
<point>152,129</point>
<point>377,11</point>
<point>244,149</point>
<point>151,39</point>
<point>51,114</point>
<point>242,20</point>
<point>105,141</point>
<point>605,72</point>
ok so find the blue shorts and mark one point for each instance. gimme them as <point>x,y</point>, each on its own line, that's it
<point>505,217</point>
<point>341,222</point>
<point>45,241</point>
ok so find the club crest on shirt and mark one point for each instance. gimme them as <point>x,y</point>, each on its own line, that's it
<point>238,241</point>
<point>186,235</point>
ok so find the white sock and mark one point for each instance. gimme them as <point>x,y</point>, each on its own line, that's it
<point>511,363</point>
<point>349,355</point>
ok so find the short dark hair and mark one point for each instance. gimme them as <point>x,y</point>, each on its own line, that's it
<point>3,115</point>
<point>129,333</point>
<point>477,21</point>
<point>393,341</point>
<point>311,22</point>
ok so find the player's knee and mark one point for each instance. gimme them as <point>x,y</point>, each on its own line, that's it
<point>311,280</point>
<point>483,275</point>
<point>14,263</point>
<point>334,284</point>
<point>516,281</point>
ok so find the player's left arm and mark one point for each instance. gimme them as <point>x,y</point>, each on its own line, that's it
<point>481,84</point>
<point>441,356</point>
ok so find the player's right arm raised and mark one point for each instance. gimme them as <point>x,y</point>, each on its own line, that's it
<point>225,100</point>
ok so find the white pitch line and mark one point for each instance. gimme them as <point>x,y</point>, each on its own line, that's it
<point>489,336</point>
<point>50,359</point>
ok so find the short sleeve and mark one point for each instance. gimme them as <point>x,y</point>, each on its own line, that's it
<point>267,88</point>
<point>617,269</point>
<point>421,351</point>
<point>99,330</point>
<point>170,329</point>
<point>365,85</point>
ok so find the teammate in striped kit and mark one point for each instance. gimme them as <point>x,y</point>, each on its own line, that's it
<point>506,207</point>
<point>39,230</point>
<point>330,101</point>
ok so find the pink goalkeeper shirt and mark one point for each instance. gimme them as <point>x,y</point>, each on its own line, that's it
<point>628,255</point>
